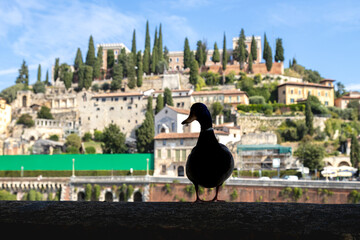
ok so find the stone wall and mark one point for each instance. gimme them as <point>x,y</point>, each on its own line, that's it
<point>277,68</point>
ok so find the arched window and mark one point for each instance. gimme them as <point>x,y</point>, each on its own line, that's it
<point>180,171</point>
<point>81,196</point>
<point>109,197</point>
<point>24,101</point>
<point>138,197</point>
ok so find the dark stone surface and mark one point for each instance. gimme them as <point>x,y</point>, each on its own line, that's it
<point>153,220</point>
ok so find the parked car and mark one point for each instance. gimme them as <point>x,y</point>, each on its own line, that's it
<point>291,177</point>
<point>264,178</point>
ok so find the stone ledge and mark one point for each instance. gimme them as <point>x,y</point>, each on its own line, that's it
<point>154,220</point>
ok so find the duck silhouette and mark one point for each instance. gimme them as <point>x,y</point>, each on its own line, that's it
<point>210,163</point>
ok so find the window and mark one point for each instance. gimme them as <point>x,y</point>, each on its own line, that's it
<point>129,107</point>
<point>112,108</point>
<point>181,141</point>
<point>177,59</point>
<point>116,99</point>
<point>319,93</point>
<point>103,99</point>
<point>284,92</point>
<point>170,59</point>
<point>183,155</point>
<point>97,109</point>
<point>173,127</point>
<point>299,92</point>
<point>164,142</point>
<point>159,153</point>
<point>177,155</point>
<point>326,94</point>
<point>168,153</point>
<point>124,98</point>
<point>292,100</point>
<point>163,168</point>
<point>291,91</point>
<point>116,52</point>
<point>326,103</point>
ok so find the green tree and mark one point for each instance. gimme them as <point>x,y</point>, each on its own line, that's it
<point>145,133</point>
<point>146,59</point>
<point>160,45</point>
<point>10,93</point>
<point>216,109</point>
<point>45,113</point>
<point>309,117</point>
<point>140,71</point>
<point>168,100</point>
<point>310,154</point>
<point>194,72</point>
<point>159,103</point>
<point>250,66</point>
<point>279,51</point>
<point>54,137</point>
<point>117,73</point>
<point>154,56</point>
<point>100,63</point>
<point>265,48</point>
<point>26,120</point>
<point>47,78</point>
<point>253,52</point>
<point>355,151</point>
<point>39,87</point>
<point>224,55</point>
<point>131,72</point>
<point>268,60</point>
<point>66,75</point>
<point>113,139</point>
<point>39,73</point>
<point>240,51</point>
<point>56,69</point>
<point>340,90</point>
<point>78,59</point>
<point>90,56</point>
<point>187,54</point>
<point>6,196</point>
<point>88,192</point>
<point>23,74</point>
<point>216,54</point>
<point>87,137</point>
<point>133,47</point>
<point>90,150</point>
<point>73,140</point>
<point>110,58</point>
<point>200,54</point>
<point>88,77</point>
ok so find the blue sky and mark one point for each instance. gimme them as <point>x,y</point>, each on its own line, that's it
<point>321,35</point>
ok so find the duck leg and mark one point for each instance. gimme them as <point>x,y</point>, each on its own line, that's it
<point>197,194</point>
<point>215,199</point>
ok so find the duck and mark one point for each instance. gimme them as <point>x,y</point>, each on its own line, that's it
<point>210,163</point>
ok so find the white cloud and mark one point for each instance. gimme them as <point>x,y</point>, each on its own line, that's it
<point>8,71</point>
<point>353,87</point>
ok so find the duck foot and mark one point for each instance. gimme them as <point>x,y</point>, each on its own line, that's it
<point>215,199</point>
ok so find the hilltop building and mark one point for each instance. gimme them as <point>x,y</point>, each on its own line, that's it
<point>295,92</point>
<point>116,47</point>
<point>343,101</point>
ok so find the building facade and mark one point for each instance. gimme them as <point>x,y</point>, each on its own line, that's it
<point>294,92</point>
<point>5,115</point>
<point>342,102</point>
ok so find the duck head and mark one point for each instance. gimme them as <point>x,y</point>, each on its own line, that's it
<point>199,112</point>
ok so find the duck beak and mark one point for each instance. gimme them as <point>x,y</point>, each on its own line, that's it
<point>190,119</point>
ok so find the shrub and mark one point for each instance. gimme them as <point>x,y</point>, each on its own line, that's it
<point>234,195</point>
<point>257,100</point>
<point>87,137</point>
<point>54,137</point>
<point>72,150</point>
<point>45,113</point>
<point>6,196</point>
<point>26,120</point>
<point>73,140</point>
<point>98,136</point>
<point>90,150</point>
<point>95,88</point>
<point>96,192</point>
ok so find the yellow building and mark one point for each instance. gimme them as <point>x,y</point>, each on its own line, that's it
<point>5,115</point>
<point>294,92</point>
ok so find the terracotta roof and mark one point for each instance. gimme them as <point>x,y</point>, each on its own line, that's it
<point>174,90</point>
<point>118,94</point>
<point>306,84</point>
<point>225,92</point>
<point>179,110</point>
<point>348,97</point>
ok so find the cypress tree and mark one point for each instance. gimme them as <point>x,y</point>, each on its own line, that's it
<point>159,103</point>
<point>194,72</point>
<point>39,73</point>
<point>23,74</point>
<point>146,59</point>
<point>117,76</point>
<point>154,56</point>
<point>131,72</point>
<point>224,56</point>
<point>216,54</point>
<point>140,71</point>
<point>99,56</point>
<point>90,56</point>
<point>168,100</point>
<point>309,117</point>
<point>354,151</point>
<point>56,68</point>
<point>199,55</point>
<point>47,77</point>
<point>253,48</point>
<point>279,51</point>
<point>265,50</point>
<point>96,69</point>
<point>66,75</point>
<point>133,47</point>
<point>110,58</point>
<point>250,69</point>
<point>123,59</point>
<point>88,77</point>
<point>81,77</point>
<point>269,59</point>
<point>160,54</point>
<point>187,54</point>
<point>166,55</point>
<point>78,59</point>
<point>98,73</point>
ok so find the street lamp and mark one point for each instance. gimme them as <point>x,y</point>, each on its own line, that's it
<point>22,171</point>
<point>73,167</point>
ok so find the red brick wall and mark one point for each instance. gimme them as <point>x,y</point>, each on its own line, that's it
<point>158,193</point>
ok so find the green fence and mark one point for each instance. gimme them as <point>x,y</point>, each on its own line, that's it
<point>83,162</point>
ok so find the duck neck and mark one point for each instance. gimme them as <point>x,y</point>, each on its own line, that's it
<point>207,138</point>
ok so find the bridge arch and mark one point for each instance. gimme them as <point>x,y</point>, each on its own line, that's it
<point>109,197</point>
<point>138,197</point>
<point>81,196</point>
<point>122,197</point>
